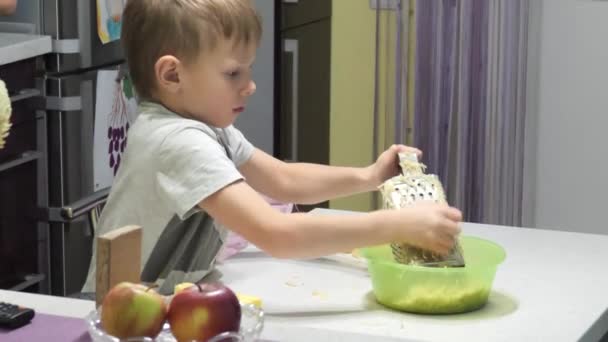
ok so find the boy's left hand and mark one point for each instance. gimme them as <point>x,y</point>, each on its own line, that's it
<point>387,165</point>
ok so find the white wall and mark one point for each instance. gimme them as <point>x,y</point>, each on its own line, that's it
<point>571,189</point>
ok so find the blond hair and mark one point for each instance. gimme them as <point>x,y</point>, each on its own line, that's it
<point>184,29</point>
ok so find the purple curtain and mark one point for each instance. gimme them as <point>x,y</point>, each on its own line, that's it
<point>469,102</point>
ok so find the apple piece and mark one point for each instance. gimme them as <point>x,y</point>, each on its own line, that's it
<point>203,311</point>
<point>133,310</point>
<point>248,299</point>
<point>181,286</point>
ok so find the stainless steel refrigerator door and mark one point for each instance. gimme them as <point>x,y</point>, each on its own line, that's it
<point>73,26</point>
<point>257,122</point>
<point>71,117</point>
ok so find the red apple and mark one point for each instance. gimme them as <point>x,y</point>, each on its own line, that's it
<point>133,310</point>
<point>203,311</point>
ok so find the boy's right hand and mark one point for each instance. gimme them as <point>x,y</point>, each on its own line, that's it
<point>427,225</point>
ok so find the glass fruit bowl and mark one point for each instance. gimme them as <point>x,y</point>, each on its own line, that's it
<point>252,323</point>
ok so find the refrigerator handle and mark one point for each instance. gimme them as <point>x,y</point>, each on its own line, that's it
<point>291,46</point>
<point>63,104</point>
<point>65,46</point>
<point>90,205</point>
<point>85,205</point>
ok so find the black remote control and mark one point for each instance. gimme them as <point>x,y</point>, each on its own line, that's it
<point>13,316</point>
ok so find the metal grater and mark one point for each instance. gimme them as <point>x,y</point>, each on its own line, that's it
<point>411,186</point>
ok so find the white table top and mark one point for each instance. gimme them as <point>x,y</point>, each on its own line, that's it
<point>51,305</point>
<point>553,286</point>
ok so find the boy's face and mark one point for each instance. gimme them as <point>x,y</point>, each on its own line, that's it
<point>215,88</point>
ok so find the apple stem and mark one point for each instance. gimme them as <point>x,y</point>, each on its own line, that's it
<point>153,286</point>
<point>200,289</point>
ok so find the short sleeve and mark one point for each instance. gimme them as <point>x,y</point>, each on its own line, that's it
<point>192,166</point>
<point>240,148</point>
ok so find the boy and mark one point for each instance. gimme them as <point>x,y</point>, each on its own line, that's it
<point>187,172</point>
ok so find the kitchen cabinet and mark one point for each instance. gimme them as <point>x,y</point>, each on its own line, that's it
<point>24,248</point>
<point>305,82</point>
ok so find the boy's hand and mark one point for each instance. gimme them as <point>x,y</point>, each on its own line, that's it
<point>387,164</point>
<point>427,225</point>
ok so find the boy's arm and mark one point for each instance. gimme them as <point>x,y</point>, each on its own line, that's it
<point>305,183</point>
<point>240,208</point>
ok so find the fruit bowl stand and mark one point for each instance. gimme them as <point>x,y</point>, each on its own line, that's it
<point>252,323</point>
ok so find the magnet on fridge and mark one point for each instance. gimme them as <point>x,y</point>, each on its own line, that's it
<point>109,19</point>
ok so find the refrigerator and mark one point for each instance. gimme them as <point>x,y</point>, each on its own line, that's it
<point>259,121</point>
<point>69,88</point>
<point>70,91</point>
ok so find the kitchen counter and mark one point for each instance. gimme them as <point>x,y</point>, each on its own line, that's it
<point>16,46</point>
<point>553,286</point>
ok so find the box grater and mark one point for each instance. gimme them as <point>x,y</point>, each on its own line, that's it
<point>411,186</point>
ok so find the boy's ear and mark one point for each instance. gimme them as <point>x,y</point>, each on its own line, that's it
<point>167,70</point>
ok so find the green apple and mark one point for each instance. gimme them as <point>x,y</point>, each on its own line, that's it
<point>133,310</point>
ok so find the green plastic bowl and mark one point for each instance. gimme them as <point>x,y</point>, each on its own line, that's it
<point>431,290</point>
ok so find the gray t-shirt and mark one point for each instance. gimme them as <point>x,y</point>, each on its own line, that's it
<point>171,164</point>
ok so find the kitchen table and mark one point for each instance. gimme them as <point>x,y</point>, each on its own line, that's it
<point>553,286</point>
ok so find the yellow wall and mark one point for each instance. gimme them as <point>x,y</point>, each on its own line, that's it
<point>352,89</point>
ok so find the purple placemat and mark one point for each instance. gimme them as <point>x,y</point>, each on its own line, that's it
<point>49,328</point>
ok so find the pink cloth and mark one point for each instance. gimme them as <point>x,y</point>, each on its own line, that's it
<point>236,243</point>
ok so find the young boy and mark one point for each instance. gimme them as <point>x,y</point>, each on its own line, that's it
<point>188,174</point>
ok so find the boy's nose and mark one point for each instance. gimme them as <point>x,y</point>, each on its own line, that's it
<point>250,89</point>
